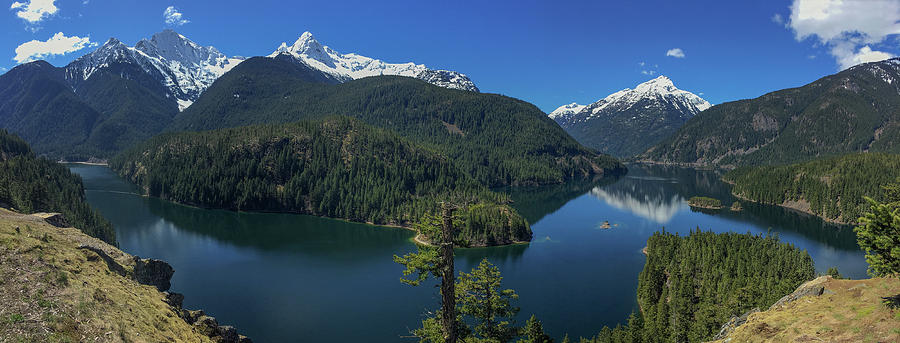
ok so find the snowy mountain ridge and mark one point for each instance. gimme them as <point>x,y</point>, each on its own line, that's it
<point>627,122</point>
<point>657,91</point>
<point>351,66</point>
<point>183,67</point>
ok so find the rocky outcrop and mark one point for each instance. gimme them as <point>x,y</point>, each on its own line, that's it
<point>148,271</point>
<point>815,287</point>
<point>210,327</point>
<point>157,273</point>
<point>812,288</point>
<point>55,219</point>
<point>733,323</point>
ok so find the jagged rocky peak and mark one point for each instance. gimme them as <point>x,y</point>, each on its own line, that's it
<point>183,67</point>
<point>351,66</point>
<point>173,46</point>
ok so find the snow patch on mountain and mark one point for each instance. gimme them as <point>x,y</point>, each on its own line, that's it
<point>183,67</point>
<point>565,111</point>
<point>351,66</point>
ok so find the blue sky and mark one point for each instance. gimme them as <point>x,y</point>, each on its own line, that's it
<point>546,52</point>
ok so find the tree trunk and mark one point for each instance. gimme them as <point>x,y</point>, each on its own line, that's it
<point>448,280</point>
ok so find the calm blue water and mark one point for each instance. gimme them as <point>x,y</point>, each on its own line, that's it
<point>282,277</point>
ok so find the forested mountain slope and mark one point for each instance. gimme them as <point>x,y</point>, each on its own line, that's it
<point>855,110</point>
<point>108,99</point>
<point>108,112</point>
<point>496,139</point>
<point>337,167</point>
<point>31,184</point>
<point>832,188</point>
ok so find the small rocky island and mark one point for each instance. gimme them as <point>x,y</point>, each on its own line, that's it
<point>705,202</point>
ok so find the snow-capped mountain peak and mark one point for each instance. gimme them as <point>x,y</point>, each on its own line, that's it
<point>629,121</point>
<point>184,68</point>
<point>658,90</point>
<point>351,66</point>
<point>566,110</point>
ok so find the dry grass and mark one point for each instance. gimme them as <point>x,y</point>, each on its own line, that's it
<point>51,291</point>
<point>853,313</point>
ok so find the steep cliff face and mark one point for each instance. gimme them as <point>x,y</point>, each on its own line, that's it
<point>58,284</point>
<point>823,310</point>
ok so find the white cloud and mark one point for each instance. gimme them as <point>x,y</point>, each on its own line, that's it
<point>34,11</point>
<point>848,27</point>
<point>778,19</point>
<point>173,17</point>
<point>59,44</point>
<point>676,52</point>
<point>850,58</point>
<point>3,69</point>
<point>648,72</point>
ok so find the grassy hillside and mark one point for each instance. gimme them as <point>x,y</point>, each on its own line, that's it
<point>832,188</point>
<point>855,110</point>
<point>495,139</point>
<point>34,184</point>
<point>54,291</point>
<point>337,167</point>
<point>847,311</point>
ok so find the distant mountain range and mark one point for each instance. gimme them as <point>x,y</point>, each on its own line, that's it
<point>856,110</point>
<point>119,95</point>
<point>629,121</point>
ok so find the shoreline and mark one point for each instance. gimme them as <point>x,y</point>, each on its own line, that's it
<point>798,209</point>
<point>102,164</point>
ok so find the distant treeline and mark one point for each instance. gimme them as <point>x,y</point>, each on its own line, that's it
<point>692,285</point>
<point>337,167</point>
<point>834,187</point>
<point>31,184</point>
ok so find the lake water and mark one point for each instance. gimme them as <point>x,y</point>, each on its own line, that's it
<point>284,277</point>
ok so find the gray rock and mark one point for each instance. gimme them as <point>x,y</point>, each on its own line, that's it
<point>813,288</point>
<point>174,299</point>
<point>153,272</point>
<point>227,334</point>
<point>207,326</point>
<point>733,323</point>
<point>190,316</point>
